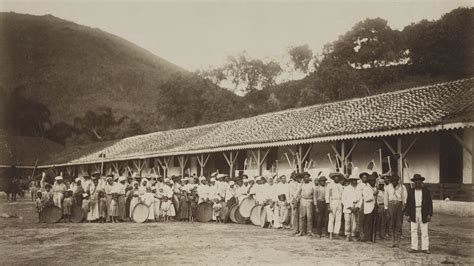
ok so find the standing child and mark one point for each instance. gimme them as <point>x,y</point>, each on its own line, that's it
<point>193,202</point>
<point>217,209</point>
<point>102,207</point>
<point>166,210</point>
<point>67,205</point>
<point>39,205</point>
<point>114,208</point>
<point>85,204</point>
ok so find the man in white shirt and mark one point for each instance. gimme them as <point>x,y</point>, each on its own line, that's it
<point>334,205</point>
<point>293,187</point>
<point>351,200</point>
<point>369,196</point>
<point>395,197</point>
<point>203,190</point>
<point>242,192</point>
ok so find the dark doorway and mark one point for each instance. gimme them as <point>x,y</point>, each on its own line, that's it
<point>450,160</point>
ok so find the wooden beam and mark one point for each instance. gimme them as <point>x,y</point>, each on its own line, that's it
<point>264,156</point>
<point>410,146</point>
<point>389,146</point>
<point>338,155</point>
<point>464,145</point>
<point>352,148</point>
<point>227,159</point>
<point>400,159</point>
<point>307,152</point>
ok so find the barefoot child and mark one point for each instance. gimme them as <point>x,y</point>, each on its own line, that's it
<point>85,203</point>
<point>166,210</point>
<point>217,208</point>
<point>114,208</point>
<point>102,207</point>
<point>67,205</point>
<point>39,205</point>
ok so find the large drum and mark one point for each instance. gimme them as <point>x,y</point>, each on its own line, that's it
<point>51,214</point>
<point>204,212</point>
<point>264,223</point>
<point>140,213</point>
<point>239,218</point>
<point>77,214</point>
<point>255,215</point>
<point>246,206</point>
<point>232,212</point>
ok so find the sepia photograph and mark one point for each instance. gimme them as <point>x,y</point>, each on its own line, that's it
<point>236,132</point>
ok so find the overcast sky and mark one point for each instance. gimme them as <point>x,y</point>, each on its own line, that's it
<point>195,35</point>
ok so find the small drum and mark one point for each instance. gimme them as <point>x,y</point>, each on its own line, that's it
<point>255,215</point>
<point>51,214</point>
<point>77,214</point>
<point>232,212</point>
<point>246,206</point>
<point>204,212</point>
<point>239,218</point>
<point>140,213</point>
<point>264,223</point>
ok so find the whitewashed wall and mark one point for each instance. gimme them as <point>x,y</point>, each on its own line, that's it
<point>423,158</point>
<point>468,162</point>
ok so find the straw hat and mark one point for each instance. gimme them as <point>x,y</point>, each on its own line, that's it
<point>58,177</point>
<point>221,175</point>
<point>122,178</point>
<point>353,177</point>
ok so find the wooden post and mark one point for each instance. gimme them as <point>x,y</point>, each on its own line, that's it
<point>400,158</point>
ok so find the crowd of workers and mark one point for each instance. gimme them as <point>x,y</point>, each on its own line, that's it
<point>362,207</point>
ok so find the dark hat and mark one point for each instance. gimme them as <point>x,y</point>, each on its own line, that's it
<point>305,174</point>
<point>375,174</point>
<point>417,177</point>
<point>322,178</point>
<point>334,174</point>
<point>394,177</point>
<point>364,174</point>
<point>110,175</point>
<point>371,177</point>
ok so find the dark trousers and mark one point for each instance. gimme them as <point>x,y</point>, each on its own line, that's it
<point>396,220</point>
<point>368,225</point>
<point>321,217</point>
<point>382,221</point>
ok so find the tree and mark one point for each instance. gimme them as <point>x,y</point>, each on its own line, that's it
<point>23,116</point>
<point>301,57</point>
<point>442,47</point>
<point>244,73</point>
<point>370,43</point>
<point>103,125</point>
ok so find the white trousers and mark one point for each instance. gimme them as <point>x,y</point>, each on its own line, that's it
<point>335,216</point>
<point>425,239</point>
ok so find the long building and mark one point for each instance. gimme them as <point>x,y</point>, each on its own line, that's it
<point>426,130</point>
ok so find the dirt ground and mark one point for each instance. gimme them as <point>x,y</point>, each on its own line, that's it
<point>24,241</point>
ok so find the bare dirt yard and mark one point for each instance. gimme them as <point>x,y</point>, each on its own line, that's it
<point>24,241</point>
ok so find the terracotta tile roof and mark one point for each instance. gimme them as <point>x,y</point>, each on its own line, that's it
<point>449,102</point>
<point>23,151</point>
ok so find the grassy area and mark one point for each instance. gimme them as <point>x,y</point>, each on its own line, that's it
<point>24,241</point>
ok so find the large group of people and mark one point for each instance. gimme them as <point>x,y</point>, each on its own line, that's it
<point>355,207</point>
